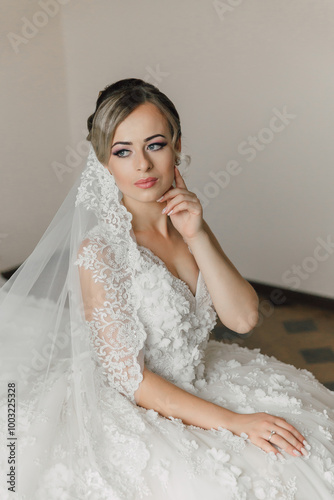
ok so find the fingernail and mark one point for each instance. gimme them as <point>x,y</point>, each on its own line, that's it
<point>296,452</point>
<point>160,198</point>
<point>164,210</point>
<point>304,452</point>
<point>170,212</point>
<point>307,446</point>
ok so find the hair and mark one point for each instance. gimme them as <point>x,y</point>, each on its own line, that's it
<point>116,102</point>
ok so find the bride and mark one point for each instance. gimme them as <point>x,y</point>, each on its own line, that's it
<point>111,387</point>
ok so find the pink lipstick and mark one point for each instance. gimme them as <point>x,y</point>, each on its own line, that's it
<point>146,183</point>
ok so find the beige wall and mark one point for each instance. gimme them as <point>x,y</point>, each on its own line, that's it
<point>34,127</point>
<point>232,68</point>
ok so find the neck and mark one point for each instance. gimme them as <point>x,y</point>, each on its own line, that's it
<point>147,216</point>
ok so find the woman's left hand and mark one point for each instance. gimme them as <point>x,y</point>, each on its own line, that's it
<point>187,211</point>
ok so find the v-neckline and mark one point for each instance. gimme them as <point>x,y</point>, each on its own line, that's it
<point>173,275</point>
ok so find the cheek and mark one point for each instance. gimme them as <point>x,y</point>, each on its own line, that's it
<point>122,182</point>
<point>121,179</point>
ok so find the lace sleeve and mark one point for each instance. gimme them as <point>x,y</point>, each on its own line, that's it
<point>109,314</point>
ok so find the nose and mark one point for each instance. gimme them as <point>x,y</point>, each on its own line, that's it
<point>143,162</point>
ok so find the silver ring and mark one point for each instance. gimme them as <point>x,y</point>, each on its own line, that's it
<point>271,435</point>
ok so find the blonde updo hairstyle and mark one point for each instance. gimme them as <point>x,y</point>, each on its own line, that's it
<point>116,102</point>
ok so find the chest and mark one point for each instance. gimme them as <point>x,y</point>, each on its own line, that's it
<point>176,257</point>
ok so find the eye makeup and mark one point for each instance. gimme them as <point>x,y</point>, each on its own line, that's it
<point>161,144</point>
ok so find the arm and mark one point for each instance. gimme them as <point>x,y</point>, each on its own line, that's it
<point>116,336</point>
<point>234,299</point>
<point>169,400</point>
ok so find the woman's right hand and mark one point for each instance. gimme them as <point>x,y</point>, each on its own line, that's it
<point>258,427</point>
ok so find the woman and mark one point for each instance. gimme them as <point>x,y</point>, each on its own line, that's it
<point>121,393</point>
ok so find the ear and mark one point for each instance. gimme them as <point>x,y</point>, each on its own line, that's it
<point>178,144</point>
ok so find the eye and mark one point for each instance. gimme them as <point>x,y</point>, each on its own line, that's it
<point>118,153</point>
<point>160,144</point>
<point>156,146</point>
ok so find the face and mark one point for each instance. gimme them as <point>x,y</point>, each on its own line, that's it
<point>142,149</point>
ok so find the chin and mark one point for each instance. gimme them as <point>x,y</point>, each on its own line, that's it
<point>144,197</point>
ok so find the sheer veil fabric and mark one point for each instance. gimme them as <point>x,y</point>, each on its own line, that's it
<point>46,349</point>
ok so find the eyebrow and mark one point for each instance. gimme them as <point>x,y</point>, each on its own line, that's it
<point>145,140</point>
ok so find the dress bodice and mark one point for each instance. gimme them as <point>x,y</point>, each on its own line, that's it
<point>143,316</point>
<point>177,322</point>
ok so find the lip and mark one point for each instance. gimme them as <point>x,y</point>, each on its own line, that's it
<point>147,182</point>
<point>147,179</point>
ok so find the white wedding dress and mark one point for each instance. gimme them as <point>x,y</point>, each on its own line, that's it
<point>162,458</point>
<point>136,453</point>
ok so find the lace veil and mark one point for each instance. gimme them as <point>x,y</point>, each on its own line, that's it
<point>70,338</point>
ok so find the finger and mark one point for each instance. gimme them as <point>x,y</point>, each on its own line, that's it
<point>287,441</point>
<point>290,438</point>
<point>265,445</point>
<point>178,199</point>
<point>179,182</point>
<point>283,423</point>
<point>173,192</point>
<point>303,448</point>
<point>285,445</point>
<point>186,205</point>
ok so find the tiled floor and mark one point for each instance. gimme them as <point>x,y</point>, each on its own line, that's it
<point>297,334</point>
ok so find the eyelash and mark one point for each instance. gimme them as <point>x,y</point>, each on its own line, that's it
<point>162,144</point>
